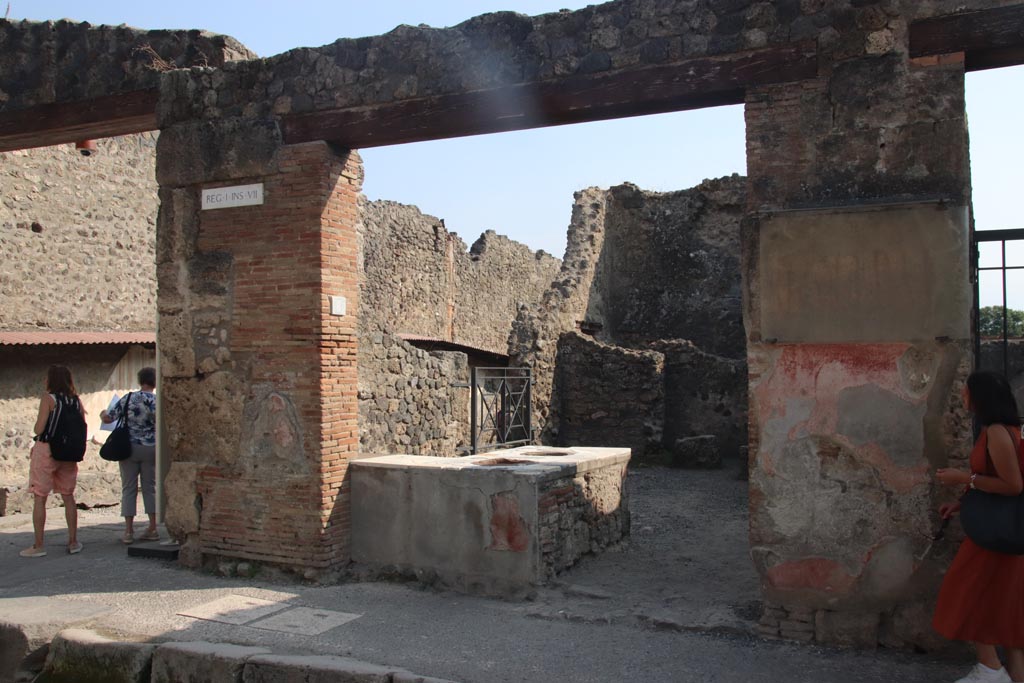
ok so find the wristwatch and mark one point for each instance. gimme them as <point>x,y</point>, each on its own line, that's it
<point>973,477</point>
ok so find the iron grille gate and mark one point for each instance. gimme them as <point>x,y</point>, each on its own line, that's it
<point>999,361</point>
<point>500,407</point>
<point>992,351</point>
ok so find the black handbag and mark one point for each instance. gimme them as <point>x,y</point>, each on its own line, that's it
<point>994,522</point>
<point>118,445</point>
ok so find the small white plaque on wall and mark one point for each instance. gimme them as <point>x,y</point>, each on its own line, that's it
<point>338,305</point>
<point>231,197</point>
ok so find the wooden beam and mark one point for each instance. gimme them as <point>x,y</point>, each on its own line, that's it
<point>54,124</point>
<point>988,38</point>
<point>704,82</point>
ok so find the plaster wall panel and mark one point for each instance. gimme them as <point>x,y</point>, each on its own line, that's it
<point>865,275</point>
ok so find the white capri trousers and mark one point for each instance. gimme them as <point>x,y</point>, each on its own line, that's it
<point>141,464</point>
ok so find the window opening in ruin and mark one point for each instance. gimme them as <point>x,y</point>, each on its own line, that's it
<point>999,304</point>
<point>500,408</point>
<point>997,243</point>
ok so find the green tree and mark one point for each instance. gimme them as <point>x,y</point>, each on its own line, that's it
<point>990,322</point>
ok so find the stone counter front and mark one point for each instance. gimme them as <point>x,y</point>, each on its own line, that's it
<point>498,522</point>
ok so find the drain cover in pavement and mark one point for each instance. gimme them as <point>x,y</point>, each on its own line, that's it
<point>233,609</point>
<point>305,621</point>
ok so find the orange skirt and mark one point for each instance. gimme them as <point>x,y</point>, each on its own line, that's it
<point>982,598</point>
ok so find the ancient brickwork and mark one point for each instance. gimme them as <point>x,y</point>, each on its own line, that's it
<point>582,514</point>
<point>854,422</point>
<point>408,398</point>
<point>421,279</point>
<point>78,241</point>
<point>248,342</point>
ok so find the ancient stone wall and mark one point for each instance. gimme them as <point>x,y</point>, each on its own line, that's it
<point>609,395</point>
<point>669,267</point>
<point>659,267</point>
<point>408,399</point>
<point>581,514</point>
<point>60,61</point>
<point>77,248</point>
<point>854,382</point>
<point>421,279</point>
<point>505,48</point>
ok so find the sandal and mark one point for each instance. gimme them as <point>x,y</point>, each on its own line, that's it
<point>74,548</point>
<point>128,538</point>
<point>33,552</point>
<point>150,535</point>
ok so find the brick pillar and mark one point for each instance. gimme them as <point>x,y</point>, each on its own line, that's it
<point>857,307</point>
<point>259,382</point>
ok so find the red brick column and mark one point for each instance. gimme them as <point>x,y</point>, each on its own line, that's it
<point>259,377</point>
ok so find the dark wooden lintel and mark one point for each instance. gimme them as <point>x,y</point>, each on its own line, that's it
<point>988,38</point>
<point>695,83</point>
<point>54,124</point>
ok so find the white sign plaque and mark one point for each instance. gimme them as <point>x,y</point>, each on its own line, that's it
<point>230,197</point>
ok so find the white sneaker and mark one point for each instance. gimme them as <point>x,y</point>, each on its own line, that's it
<point>982,674</point>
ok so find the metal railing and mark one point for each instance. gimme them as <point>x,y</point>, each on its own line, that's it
<point>500,407</point>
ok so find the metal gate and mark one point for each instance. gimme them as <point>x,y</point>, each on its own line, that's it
<point>998,269</point>
<point>500,408</point>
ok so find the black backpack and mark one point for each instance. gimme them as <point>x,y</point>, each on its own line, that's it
<point>65,430</point>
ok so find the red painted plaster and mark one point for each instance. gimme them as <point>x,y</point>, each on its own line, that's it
<point>508,530</point>
<point>815,573</point>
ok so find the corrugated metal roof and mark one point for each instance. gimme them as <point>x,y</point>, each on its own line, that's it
<point>38,337</point>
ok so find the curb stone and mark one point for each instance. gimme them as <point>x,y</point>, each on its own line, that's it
<point>80,656</point>
<point>201,662</point>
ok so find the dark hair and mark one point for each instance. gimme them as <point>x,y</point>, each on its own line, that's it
<point>58,381</point>
<point>992,400</point>
<point>147,377</point>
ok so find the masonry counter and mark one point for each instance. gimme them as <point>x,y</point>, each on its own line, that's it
<point>494,523</point>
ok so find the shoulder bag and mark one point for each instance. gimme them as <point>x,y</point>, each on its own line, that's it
<point>118,445</point>
<point>993,521</point>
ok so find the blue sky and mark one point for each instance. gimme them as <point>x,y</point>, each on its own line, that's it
<point>521,184</point>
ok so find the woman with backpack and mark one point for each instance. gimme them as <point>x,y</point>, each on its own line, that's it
<point>982,595</point>
<point>139,410</point>
<point>61,420</point>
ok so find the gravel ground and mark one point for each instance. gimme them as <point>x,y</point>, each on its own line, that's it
<point>686,565</point>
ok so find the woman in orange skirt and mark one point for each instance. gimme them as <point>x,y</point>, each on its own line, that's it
<point>982,596</point>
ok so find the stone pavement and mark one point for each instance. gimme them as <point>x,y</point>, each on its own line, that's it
<point>596,624</point>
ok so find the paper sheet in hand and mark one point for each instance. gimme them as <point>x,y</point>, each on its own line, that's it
<point>110,427</point>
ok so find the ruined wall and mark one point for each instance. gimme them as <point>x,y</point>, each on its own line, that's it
<point>78,237</point>
<point>659,266</point>
<point>669,267</point>
<point>505,48</point>
<point>854,380</point>
<point>60,61</point>
<point>609,395</point>
<point>418,278</point>
<point>534,339</point>
<point>408,401</point>
<point>421,279</point>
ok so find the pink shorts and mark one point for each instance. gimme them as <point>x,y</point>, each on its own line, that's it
<point>46,474</point>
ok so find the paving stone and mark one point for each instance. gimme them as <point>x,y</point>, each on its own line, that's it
<point>233,609</point>
<point>313,669</point>
<point>305,621</point>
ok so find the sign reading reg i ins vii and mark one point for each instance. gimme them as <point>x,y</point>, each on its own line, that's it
<point>230,197</point>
